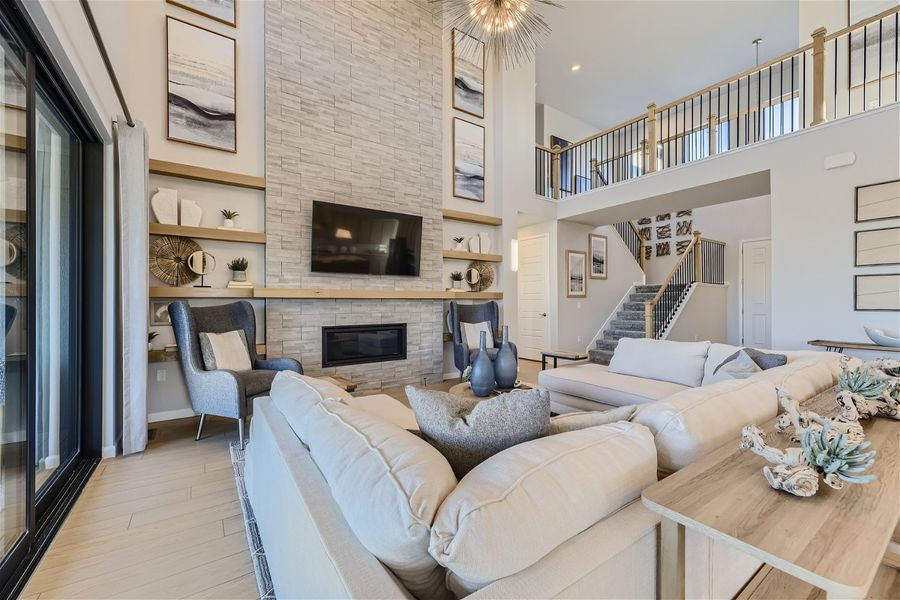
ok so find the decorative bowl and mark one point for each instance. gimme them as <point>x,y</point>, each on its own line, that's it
<point>883,338</point>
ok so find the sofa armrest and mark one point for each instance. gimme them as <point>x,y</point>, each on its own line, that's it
<point>219,393</point>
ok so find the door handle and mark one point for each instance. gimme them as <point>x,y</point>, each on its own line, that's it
<point>542,314</point>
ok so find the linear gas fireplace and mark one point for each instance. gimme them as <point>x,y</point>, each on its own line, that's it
<point>355,344</point>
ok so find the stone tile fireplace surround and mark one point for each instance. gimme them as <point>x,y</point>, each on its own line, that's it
<point>353,116</point>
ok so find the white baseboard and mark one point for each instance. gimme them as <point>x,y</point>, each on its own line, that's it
<point>168,415</point>
<point>108,451</point>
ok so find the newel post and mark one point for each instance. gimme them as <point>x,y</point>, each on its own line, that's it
<point>652,137</point>
<point>648,320</point>
<point>818,75</point>
<point>698,258</point>
<point>554,171</point>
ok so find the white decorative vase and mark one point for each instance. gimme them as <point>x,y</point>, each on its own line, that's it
<point>461,246</point>
<point>149,346</point>
<point>190,213</point>
<point>475,244</point>
<point>165,206</point>
<point>239,275</point>
<point>457,285</point>
<point>485,242</point>
<point>229,223</point>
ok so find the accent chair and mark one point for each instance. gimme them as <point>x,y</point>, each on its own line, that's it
<point>473,313</point>
<point>223,393</point>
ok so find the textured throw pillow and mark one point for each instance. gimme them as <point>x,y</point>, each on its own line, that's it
<point>469,430</point>
<point>225,351</point>
<point>472,334</point>
<point>740,367</point>
<point>582,420</point>
<point>764,360</point>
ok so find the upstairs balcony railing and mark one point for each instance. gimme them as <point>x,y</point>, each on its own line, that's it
<point>834,76</point>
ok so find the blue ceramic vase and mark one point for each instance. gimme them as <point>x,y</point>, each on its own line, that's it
<point>482,378</point>
<point>505,367</point>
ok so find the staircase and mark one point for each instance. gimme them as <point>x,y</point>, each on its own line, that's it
<point>629,322</point>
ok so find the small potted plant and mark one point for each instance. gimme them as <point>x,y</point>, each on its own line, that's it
<point>238,267</point>
<point>456,279</point>
<point>151,335</point>
<point>459,243</point>
<point>230,216</point>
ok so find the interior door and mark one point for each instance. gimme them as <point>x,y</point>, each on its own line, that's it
<point>534,296</point>
<point>756,293</point>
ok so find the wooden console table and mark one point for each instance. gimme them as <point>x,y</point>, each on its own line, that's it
<point>557,354</point>
<point>839,346</point>
<point>834,540</point>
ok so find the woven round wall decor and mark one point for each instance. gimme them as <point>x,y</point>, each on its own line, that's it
<point>16,236</point>
<point>486,275</point>
<point>169,259</point>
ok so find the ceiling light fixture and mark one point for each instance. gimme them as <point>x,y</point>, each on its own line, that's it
<point>576,67</point>
<point>510,29</point>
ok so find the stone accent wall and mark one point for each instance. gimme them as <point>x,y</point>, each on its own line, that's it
<point>353,116</point>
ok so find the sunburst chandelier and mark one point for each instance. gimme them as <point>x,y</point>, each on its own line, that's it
<point>510,29</point>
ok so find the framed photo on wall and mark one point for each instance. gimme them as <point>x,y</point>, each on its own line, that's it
<point>876,247</point>
<point>878,201</point>
<point>223,11</point>
<point>468,160</point>
<point>468,74</point>
<point>876,292</point>
<point>599,264</point>
<point>201,86</point>
<point>576,274</point>
<point>159,313</point>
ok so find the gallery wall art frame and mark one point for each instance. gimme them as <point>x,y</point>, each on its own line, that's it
<point>159,313</point>
<point>211,126</point>
<point>598,249</point>
<point>462,44</point>
<point>877,201</point>
<point>468,160</point>
<point>876,292</point>
<point>197,7</point>
<point>876,247</point>
<point>576,274</point>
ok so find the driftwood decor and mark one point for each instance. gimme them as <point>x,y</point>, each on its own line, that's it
<point>832,448</point>
<point>663,249</point>
<point>684,228</point>
<point>663,232</point>
<point>871,389</point>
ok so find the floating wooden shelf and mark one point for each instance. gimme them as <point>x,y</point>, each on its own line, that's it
<point>15,290</point>
<point>14,215</point>
<point>299,293</point>
<point>208,233</point>
<point>14,142</point>
<point>163,167</point>
<point>460,255</point>
<point>161,356</point>
<point>467,217</point>
<point>192,292</point>
<point>448,337</point>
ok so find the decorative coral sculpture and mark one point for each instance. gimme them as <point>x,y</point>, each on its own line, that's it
<point>836,458</point>
<point>869,390</point>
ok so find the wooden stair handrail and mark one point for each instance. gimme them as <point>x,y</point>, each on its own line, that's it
<point>668,280</point>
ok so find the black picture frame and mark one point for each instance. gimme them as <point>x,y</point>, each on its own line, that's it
<point>856,236</point>
<point>856,280</point>
<point>856,218</point>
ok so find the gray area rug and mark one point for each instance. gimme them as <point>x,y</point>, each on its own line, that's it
<point>257,552</point>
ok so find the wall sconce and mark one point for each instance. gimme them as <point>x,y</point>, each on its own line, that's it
<point>514,255</point>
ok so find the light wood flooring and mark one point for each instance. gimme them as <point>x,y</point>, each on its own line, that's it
<point>166,523</point>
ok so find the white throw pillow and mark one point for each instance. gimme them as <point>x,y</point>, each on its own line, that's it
<point>690,424</point>
<point>677,362</point>
<point>518,505</point>
<point>225,351</point>
<point>715,357</point>
<point>388,484</point>
<point>742,367</point>
<point>472,333</point>
<point>295,395</point>
<point>574,421</point>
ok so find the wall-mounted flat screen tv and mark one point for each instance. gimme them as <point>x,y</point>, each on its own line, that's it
<point>348,239</point>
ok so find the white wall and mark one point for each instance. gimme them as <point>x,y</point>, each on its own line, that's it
<point>812,216</point>
<point>704,316</point>
<point>554,122</point>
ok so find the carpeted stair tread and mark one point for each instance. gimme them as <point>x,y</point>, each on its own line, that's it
<point>617,334</point>
<point>633,325</point>
<point>601,357</point>
<point>608,345</point>
<point>630,315</point>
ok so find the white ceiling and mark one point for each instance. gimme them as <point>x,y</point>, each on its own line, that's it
<point>633,52</point>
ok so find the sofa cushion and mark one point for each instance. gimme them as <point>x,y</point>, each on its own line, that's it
<point>385,407</point>
<point>517,506</point>
<point>663,360</point>
<point>803,379</point>
<point>694,422</point>
<point>388,484</point>
<point>294,395</point>
<point>595,382</point>
<point>469,430</point>
<point>257,381</point>
<point>574,421</point>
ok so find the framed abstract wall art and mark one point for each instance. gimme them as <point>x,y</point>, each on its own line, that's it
<point>468,74</point>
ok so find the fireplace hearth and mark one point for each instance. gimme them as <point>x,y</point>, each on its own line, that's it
<point>357,344</point>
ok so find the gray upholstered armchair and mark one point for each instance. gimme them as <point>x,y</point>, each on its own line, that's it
<point>473,313</point>
<point>223,393</point>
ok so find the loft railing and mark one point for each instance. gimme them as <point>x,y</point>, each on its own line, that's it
<point>836,75</point>
<point>703,261</point>
<point>633,240</point>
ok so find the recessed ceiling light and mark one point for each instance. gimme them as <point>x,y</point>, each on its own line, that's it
<point>575,67</point>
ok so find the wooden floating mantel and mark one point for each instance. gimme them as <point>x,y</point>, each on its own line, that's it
<point>468,217</point>
<point>195,292</point>
<point>299,293</point>
<point>208,233</point>
<point>161,356</point>
<point>462,255</point>
<point>164,167</point>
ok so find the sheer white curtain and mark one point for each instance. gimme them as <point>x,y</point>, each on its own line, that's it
<point>131,185</point>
